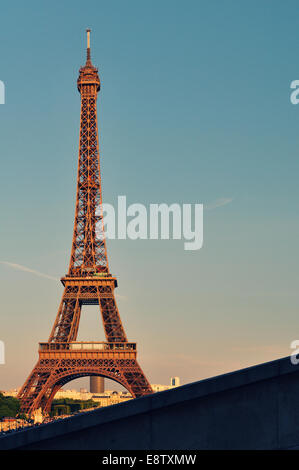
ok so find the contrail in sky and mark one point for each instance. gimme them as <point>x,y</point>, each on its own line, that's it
<point>19,267</point>
<point>218,203</point>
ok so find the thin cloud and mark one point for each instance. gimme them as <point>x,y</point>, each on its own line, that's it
<point>19,267</point>
<point>223,201</point>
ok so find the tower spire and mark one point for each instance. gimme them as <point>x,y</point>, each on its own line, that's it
<point>88,60</point>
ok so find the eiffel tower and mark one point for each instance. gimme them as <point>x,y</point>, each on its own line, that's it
<point>88,282</point>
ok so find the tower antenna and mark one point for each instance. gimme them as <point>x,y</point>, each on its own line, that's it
<point>88,46</point>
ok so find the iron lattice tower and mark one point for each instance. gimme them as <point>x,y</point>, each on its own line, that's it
<point>88,282</point>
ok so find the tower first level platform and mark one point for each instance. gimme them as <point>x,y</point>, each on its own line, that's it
<point>60,363</point>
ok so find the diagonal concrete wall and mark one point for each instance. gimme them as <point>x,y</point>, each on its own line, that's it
<point>253,408</point>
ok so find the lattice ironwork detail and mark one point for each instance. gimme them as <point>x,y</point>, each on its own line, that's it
<point>88,282</point>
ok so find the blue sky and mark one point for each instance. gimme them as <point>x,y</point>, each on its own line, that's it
<point>194,108</point>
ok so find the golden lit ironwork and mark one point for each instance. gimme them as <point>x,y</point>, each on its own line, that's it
<point>88,282</point>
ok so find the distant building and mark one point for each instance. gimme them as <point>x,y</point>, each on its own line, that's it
<point>11,393</point>
<point>83,394</point>
<point>175,381</point>
<point>111,398</point>
<point>159,387</point>
<point>7,424</point>
<point>97,384</point>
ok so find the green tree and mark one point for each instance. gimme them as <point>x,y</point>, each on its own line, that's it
<point>9,406</point>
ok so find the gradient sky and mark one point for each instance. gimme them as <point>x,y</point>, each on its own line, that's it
<point>194,108</point>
